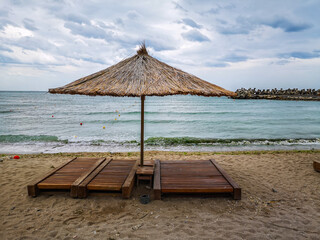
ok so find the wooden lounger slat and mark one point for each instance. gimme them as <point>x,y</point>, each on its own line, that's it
<point>236,188</point>
<point>191,173</point>
<point>156,181</point>
<point>66,175</point>
<point>105,187</point>
<point>70,178</point>
<point>33,189</point>
<point>184,161</point>
<point>114,175</point>
<point>103,176</point>
<point>194,185</point>
<point>53,186</point>
<point>198,190</point>
<point>74,186</point>
<point>129,183</point>
<point>188,184</point>
<point>216,179</point>
<point>82,187</point>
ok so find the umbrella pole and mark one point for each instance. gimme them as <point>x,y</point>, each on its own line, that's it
<point>142,130</point>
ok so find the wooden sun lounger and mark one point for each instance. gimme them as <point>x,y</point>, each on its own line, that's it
<point>81,175</point>
<point>203,176</point>
<point>65,177</point>
<point>111,176</point>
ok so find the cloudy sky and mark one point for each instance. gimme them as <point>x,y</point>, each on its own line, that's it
<point>234,44</point>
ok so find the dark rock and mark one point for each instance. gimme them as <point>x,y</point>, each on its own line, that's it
<point>289,94</point>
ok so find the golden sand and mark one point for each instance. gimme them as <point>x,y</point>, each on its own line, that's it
<point>280,200</point>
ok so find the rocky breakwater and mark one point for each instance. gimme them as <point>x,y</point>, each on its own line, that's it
<point>279,94</point>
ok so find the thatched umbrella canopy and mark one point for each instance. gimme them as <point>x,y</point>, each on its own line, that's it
<point>139,76</point>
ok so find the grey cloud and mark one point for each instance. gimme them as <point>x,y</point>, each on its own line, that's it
<point>119,21</point>
<point>301,55</point>
<point>246,25</point>
<point>76,18</point>
<point>281,62</point>
<point>221,21</point>
<point>16,2</point>
<point>195,36</point>
<point>286,25</point>
<point>68,51</point>
<point>4,13</point>
<point>242,26</point>
<point>31,43</point>
<point>213,10</point>
<point>94,60</point>
<point>89,31</point>
<point>133,15</point>
<point>218,65</point>
<point>159,46</point>
<point>29,24</point>
<point>179,7</point>
<point>226,60</point>
<point>218,8</point>
<point>234,58</point>
<point>54,6</point>
<point>5,59</point>
<point>103,25</point>
<point>5,49</point>
<point>229,30</point>
<point>190,22</point>
<point>5,22</point>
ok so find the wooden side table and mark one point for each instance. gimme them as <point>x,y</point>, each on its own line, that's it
<point>145,173</point>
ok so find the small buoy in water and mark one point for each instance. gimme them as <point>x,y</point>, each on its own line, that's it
<point>115,119</point>
<point>104,127</point>
<point>16,157</point>
<point>52,116</point>
<point>119,115</point>
<point>81,124</point>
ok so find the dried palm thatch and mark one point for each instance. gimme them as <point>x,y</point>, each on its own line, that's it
<point>141,75</point>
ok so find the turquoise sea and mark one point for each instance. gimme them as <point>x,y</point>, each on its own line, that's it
<point>41,122</point>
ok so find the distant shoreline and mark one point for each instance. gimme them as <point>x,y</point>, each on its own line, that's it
<point>279,94</point>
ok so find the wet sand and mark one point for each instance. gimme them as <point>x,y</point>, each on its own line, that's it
<point>280,200</point>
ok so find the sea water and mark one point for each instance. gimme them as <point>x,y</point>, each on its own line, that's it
<point>42,122</point>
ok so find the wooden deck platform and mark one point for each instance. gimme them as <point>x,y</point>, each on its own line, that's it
<point>80,175</point>
<point>201,176</point>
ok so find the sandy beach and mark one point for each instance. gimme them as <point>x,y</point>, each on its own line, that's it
<point>280,200</point>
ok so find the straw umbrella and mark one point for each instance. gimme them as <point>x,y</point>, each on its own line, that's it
<point>139,76</point>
